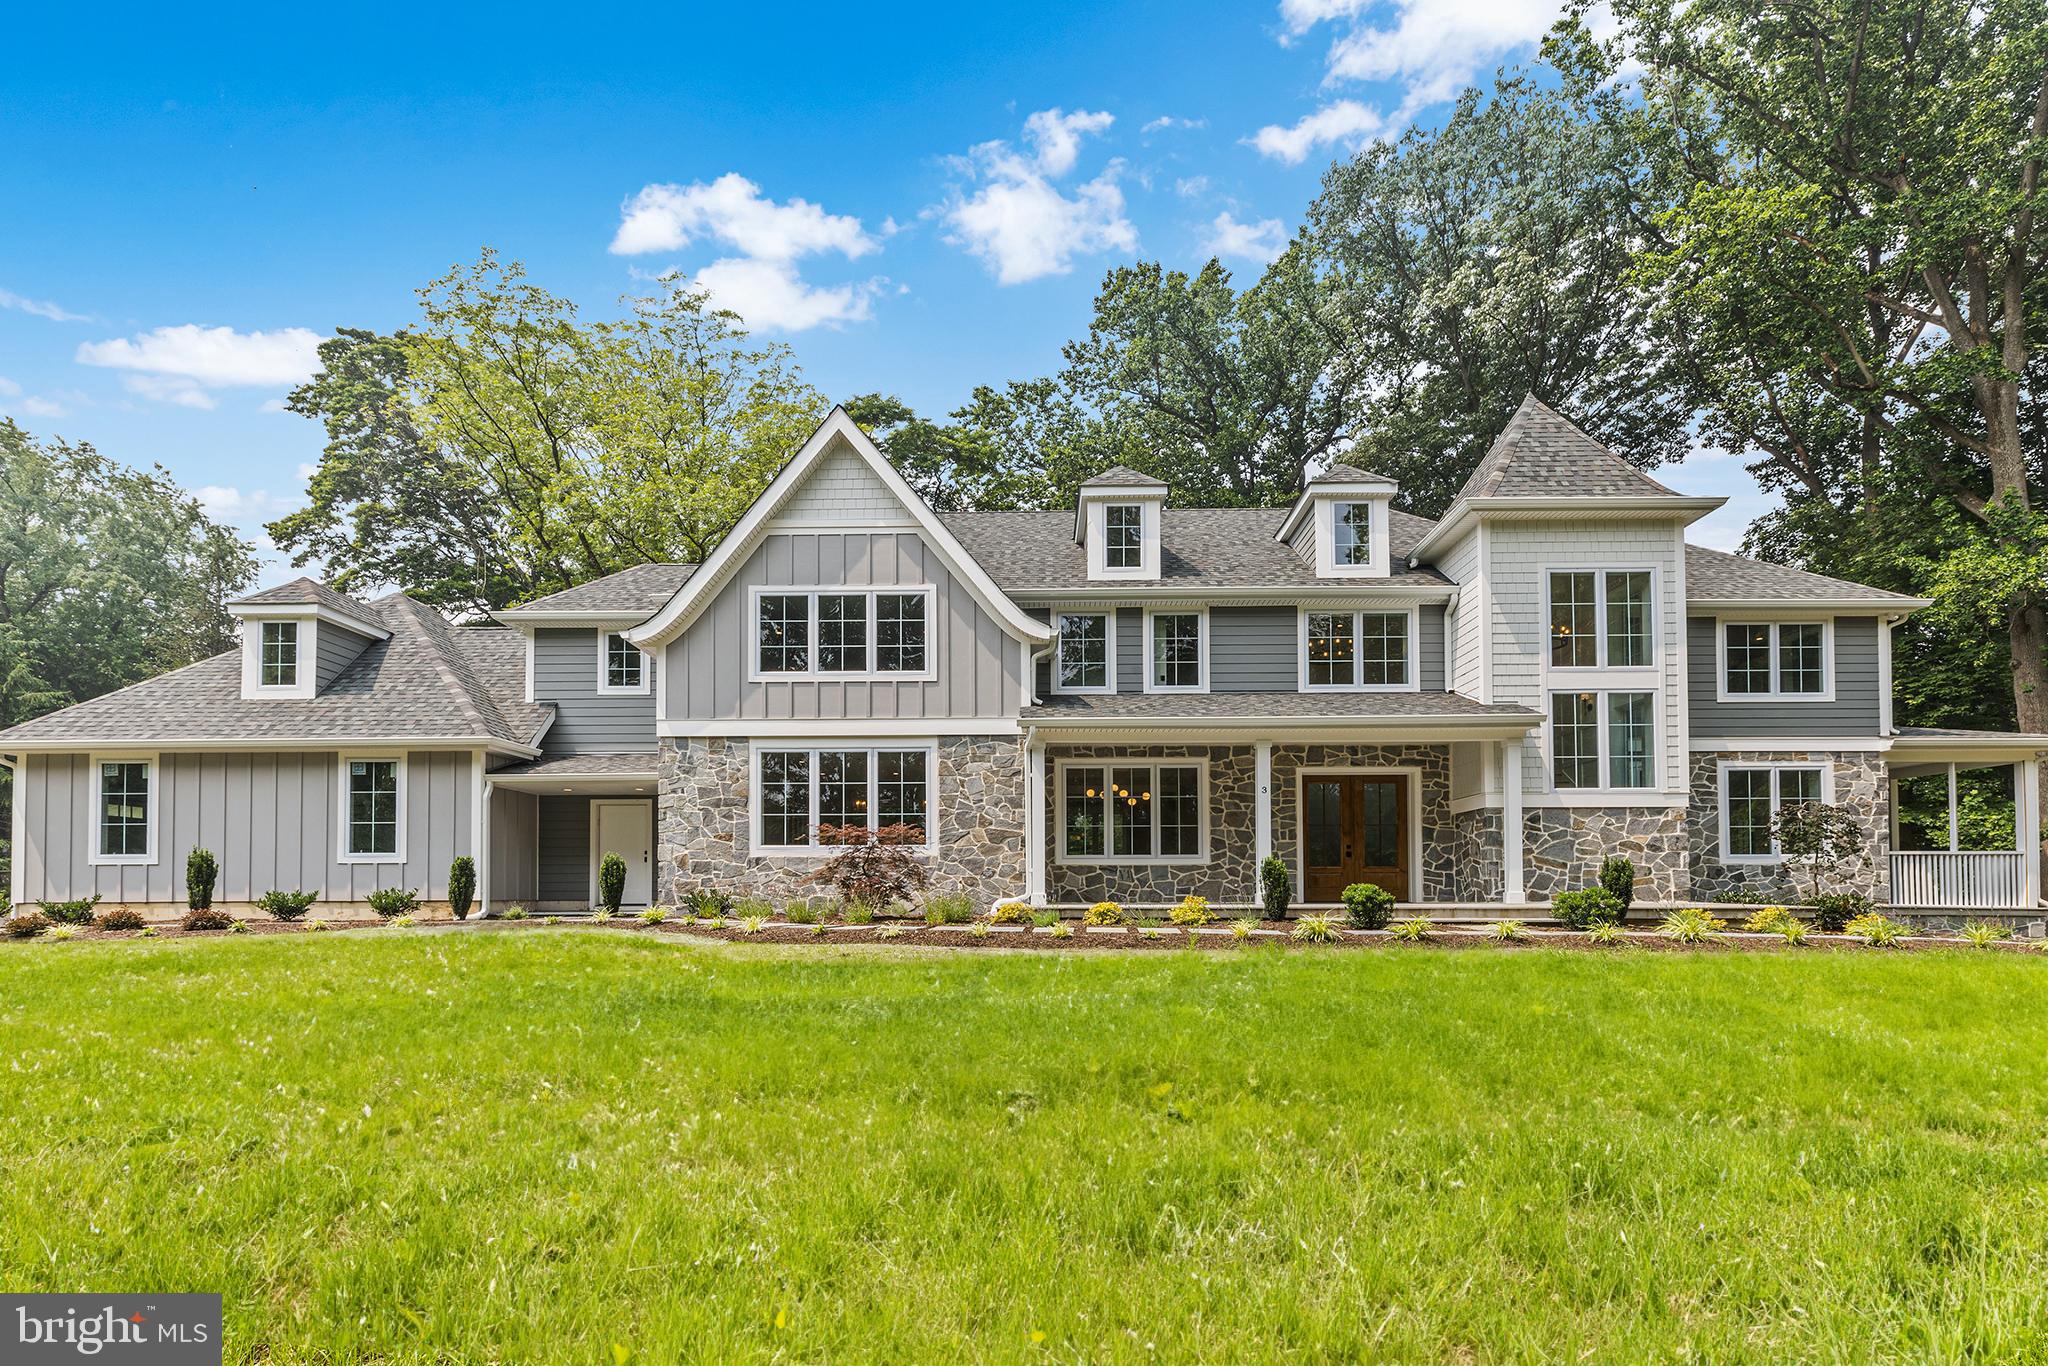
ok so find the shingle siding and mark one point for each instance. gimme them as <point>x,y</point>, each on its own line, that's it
<point>841,489</point>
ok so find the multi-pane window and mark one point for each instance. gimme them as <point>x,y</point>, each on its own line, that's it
<point>124,809</point>
<point>1351,533</point>
<point>1177,650</point>
<point>372,806</point>
<point>1081,663</point>
<point>625,668</point>
<point>1774,659</point>
<point>1123,535</point>
<point>280,654</point>
<point>1601,618</point>
<point>1356,649</point>
<point>802,789</point>
<point>1131,811</point>
<point>854,632</point>
<point>1752,797</point>
<point>1603,734</point>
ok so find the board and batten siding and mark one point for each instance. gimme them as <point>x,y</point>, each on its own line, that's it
<point>566,663</point>
<point>515,832</point>
<point>1251,649</point>
<point>272,820</point>
<point>1854,711</point>
<point>979,667</point>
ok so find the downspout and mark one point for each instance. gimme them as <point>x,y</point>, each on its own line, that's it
<point>15,825</point>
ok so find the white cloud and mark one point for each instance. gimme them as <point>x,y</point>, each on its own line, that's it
<point>1191,186</point>
<point>41,308</point>
<point>230,504</point>
<point>35,405</point>
<point>770,294</point>
<point>1166,122</point>
<point>183,364</point>
<point>1436,47</point>
<point>1261,241</point>
<point>1300,16</point>
<point>8,388</point>
<point>1347,122</point>
<point>307,470</point>
<point>1021,225</point>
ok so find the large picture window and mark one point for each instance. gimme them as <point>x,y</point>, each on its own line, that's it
<point>1603,739</point>
<point>1751,796</point>
<point>1356,650</point>
<point>371,809</point>
<point>1601,619</point>
<point>127,811</point>
<point>1125,812</point>
<point>1765,659</point>
<point>842,633</point>
<point>1177,651</point>
<point>1083,660</point>
<point>280,662</point>
<point>799,790</point>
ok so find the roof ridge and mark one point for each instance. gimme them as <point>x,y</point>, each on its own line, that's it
<point>455,673</point>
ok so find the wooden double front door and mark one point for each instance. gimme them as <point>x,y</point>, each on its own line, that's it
<point>1355,829</point>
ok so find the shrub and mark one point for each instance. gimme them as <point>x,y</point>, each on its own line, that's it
<point>391,901</point>
<point>206,918</point>
<point>1833,911</point>
<point>1618,880</point>
<point>27,924</point>
<point>62,932</point>
<point>202,870</point>
<point>1878,931</point>
<point>1507,929</point>
<point>1045,920</point>
<point>120,918</point>
<point>1607,932</point>
<point>1367,906</point>
<point>310,924</point>
<point>753,924</point>
<point>709,901</point>
<point>1315,929</point>
<point>1582,910</point>
<point>1413,930</point>
<point>955,908</point>
<point>1826,841</point>
<point>1242,929</point>
<point>461,886</point>
<point>979,929</point>
<point>601,918</point>
<point>857,913</point>
<point>889,932</point>
<point>1691,925</point>
<point>819,930</point>
<point>403,922</point>
<point>801,912</point>
<point>515,913</point>
<point>286,905</point>
<point>69,912</point>
<point>1105,913</point>
<point>1063,930</point>
<point>1769,920</point>
<point>1276,888</point>
<point>545,920</point>
<point>653,915</point>
<point>611,880</point>
<point>1793,931</point>
<point>1149,932</point>
<point>1982,934</point>
<point>716,922</point>
<point>1009,913</point>
<point>874,866</point>
<point>752,905</point>
<point>1192,910</point>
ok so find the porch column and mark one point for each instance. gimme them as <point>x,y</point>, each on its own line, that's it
<point>483,851</point>
<point>1262,811</point>
<point>2026,827</point>
<point>1034,823</point>
<point>1952,844</point>
<point>1511,821</point>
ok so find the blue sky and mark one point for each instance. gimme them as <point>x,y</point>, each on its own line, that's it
<point>917,199</point>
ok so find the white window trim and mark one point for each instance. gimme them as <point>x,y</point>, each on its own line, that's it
<point>153,832</point>
<point>1411,819</point>
<point>604,672</point>
<point>1604,745</point>
<point>1414,682</point>
<point>1201,647</point>
<point>929,747</point>
<point>1094,523</point>
<point>298,659</point>
<point>1109,643</point>
<point>341,852</point>
<point>1827,794</point>
<point>814,674</point>
<point>307,683</point>
<point>1600,573</point>
<point>1059,831</point>
<point>1377,536</point>
<point>1777,623</point>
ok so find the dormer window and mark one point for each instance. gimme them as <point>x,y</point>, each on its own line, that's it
<point>1117,520</point>
<point>1123,535</point>
<point>1342,524</point>
<point>1351,534</point>
<point>279,667</point>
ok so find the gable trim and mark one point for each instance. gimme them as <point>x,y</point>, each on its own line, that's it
<point>689,601</point>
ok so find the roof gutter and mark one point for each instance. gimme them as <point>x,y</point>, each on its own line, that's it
<point>1337,589</point>
<point>244,744</point>
<point>1896,608</point>
<point>1481,725</point>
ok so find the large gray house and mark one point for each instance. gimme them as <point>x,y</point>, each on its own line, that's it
<point>1126,699</point>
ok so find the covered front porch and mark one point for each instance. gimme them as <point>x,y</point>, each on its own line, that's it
<point>549,824</point>
<point>1965,820</point>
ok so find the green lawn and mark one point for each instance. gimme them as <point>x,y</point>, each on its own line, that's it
<point>524,1146</point>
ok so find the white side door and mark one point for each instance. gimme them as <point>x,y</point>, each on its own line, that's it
<point>625,828</point>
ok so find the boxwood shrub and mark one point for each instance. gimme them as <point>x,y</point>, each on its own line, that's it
<point>1367,906</point>
<point>1582,910</point>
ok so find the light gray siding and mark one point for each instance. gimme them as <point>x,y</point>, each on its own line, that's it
<point>1429,646</point>
<point>515,834</point>
<point>273,820</point>
<point>1854,710</point>
<point>335,649</point>
<point>979,667</point>
<point>564,846</point>
<point>1251,649</point>
<point>565,672</point>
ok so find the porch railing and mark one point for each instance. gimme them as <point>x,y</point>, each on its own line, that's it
<point>1959,879</point>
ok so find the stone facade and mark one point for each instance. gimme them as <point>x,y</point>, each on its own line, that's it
<point>1562,847</point>
<point>1479,870</point>
<point>1228,876</point>
<point>705,804</point>
<point>1860,785</point>
<point>1430,766</point>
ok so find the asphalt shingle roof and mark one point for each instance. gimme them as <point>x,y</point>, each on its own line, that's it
<point>1224,705</point>
<point>1122,476</point>
<point>582,766</point>
<point>1349,474</point>
<point>1718,576</point>
<point>642,588</point>
<point>1540,455</point>
<point>1199,547</point>
<point>305,592</point>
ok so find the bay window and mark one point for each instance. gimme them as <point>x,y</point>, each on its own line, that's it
<point>1603,739</point>
<point>842,633</point>
<point>1761,659</point>
<point>1601,619</point>
<point>1752,796</point>
<point>1121,812</point>
<point>1356,650</point>
<point>798,790</point>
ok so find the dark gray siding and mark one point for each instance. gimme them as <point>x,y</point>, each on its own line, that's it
<point>336,649</point>
<point>1853,712</point>
<point>564,849</point>
<point>515,830</point>
<point>565,664</point>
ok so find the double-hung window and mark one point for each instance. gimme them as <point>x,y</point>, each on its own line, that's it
<point>1178,647</point>
<point>127,811</point>
<point>372,814</point>
<point>799,790</point>
<point>1084,659</point>
<point>1603,739</point>
<point>1123,535</point>
<point>625,668</point>
<point>1763,659</point>
<point>1752,796</point>
<point>1356,650</point>
<point>1131,811</point>
<point>842,632</point>
<point>280,661</point>
<point>1601,618</point>
<point>1351,533</point>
